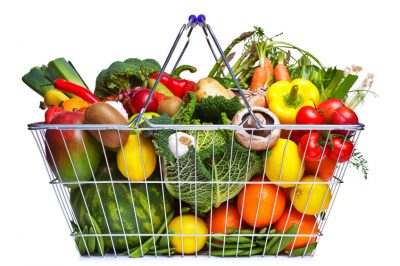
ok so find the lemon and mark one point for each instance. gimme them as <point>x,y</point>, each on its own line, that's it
<point>318,196</point>
<point>195,227</point>
<point>284,163</point>
<point>129,158</point>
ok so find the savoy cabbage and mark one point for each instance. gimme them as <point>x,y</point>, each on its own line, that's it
<point>212,173</point>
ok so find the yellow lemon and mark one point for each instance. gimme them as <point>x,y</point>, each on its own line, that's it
<point>318,196</point>
<point>195,227</point>
<point>284,163</point>
<point>137,159</point>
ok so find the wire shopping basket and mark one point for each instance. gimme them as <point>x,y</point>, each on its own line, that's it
<point>122,201</point>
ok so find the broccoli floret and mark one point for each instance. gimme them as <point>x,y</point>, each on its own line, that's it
<point>133,61</point>
<point>209,109</point>
<point>121,76</point>
<point>151,62</point>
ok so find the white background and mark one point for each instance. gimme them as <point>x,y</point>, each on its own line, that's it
<point>363,226</point>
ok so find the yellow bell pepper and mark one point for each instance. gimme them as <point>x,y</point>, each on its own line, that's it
<point>285,98</point>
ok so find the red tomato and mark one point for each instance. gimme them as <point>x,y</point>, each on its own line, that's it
<point>344,116</point>
<point>309,115</point>
<point>340,151</point>
<point>139,99</point>
<point>310,146</point>
<point>328,107</point>
<point>325,170</point>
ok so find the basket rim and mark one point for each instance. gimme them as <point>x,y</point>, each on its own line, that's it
<point>329,127</point>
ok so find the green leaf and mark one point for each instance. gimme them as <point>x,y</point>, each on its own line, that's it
<point>186,110</point>
<point>184,170</point>
<point>343,88</point>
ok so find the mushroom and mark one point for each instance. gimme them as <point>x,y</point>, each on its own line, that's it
<point>258,139</point>
<point>254,98</point>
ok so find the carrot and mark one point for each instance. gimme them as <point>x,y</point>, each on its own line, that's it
<point>258,79</point>
<point>261,75</point>
<point>268,68</point>
<point>280,71</point>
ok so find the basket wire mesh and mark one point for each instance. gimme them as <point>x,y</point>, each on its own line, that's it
<point>90,242</point>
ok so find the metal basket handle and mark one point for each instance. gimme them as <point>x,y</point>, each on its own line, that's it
<point>194,21</point>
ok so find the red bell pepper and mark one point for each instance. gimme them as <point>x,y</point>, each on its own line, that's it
<point>179,87</point>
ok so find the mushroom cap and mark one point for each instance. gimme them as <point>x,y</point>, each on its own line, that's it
<point>259,139</point>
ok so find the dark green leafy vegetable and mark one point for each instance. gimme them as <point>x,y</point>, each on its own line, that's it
<point>209,109</point>
<point>211,162</point>
<point>186,110</point>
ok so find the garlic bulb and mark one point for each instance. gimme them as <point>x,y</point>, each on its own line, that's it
<point>179,143</point>
<point>119,107</point>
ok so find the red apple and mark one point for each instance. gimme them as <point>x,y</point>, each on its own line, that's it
<point>139,99</point>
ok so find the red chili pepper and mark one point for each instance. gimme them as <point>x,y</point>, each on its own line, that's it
<point>76,90</point>
<point>179,87</point>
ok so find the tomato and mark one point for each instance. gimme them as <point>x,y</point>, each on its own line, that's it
<point>344,116</point>
<point>325,168</point>
<point>340,151</point>
<point>139,99</point>
<point>327,108</point>
<point>310,148</point>
<point>191,233</point>
<point>222,219</point>
<point>309,115</point>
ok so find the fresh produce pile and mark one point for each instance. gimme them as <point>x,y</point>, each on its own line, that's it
<point>232,192</point>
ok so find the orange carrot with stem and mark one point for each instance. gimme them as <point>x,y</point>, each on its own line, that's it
<point>264,71</point>
<point>280,71</point>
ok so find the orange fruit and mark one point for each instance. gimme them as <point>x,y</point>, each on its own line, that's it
<point>74,104</point>
<point>308,226</point>
<point>223,217</point>
<point>267,198</point>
